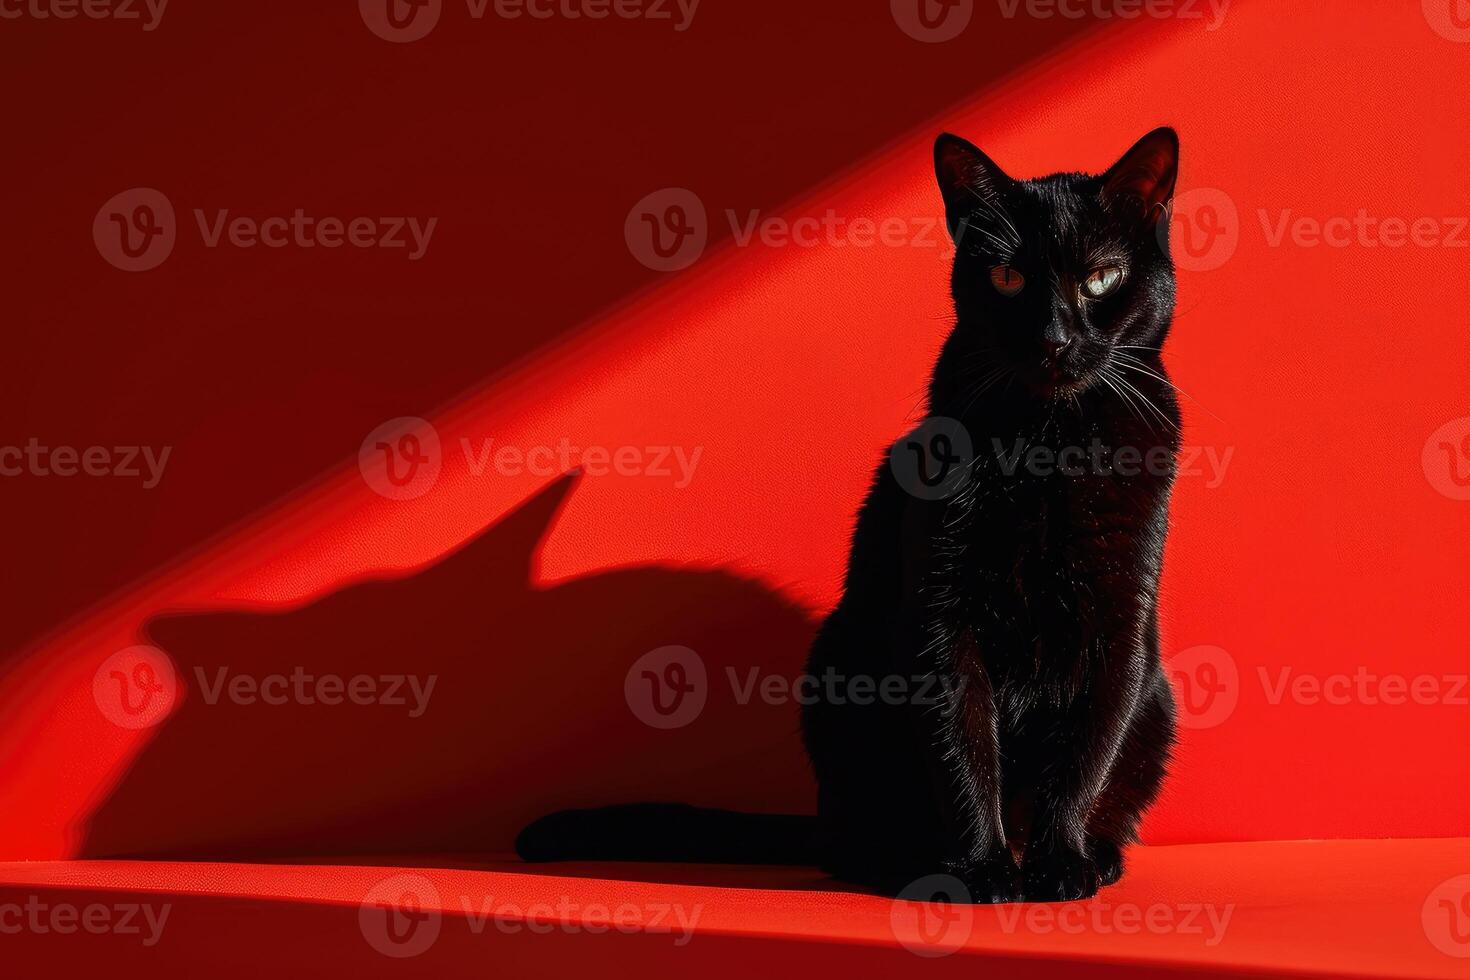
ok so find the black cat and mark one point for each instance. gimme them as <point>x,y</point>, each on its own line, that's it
<point>1021,576</point>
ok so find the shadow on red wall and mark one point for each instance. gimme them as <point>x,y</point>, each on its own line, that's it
<point>513,704</point>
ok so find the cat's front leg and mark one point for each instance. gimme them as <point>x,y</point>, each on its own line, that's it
<point>958,727</point>
<point>1082,748</point>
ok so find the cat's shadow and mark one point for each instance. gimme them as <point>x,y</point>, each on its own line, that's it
<point>527,714</point>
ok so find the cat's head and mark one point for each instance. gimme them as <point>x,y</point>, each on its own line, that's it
<point>1055,276</point>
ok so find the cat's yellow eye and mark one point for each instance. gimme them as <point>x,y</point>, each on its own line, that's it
<point>1006,280</point>
<point>1102,281</point>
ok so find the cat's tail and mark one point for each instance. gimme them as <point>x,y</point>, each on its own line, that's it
<point>670,832</point>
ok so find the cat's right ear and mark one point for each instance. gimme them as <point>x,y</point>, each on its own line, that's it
<point>968,180</point>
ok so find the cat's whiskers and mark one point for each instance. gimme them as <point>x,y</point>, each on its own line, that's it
<point>1132,363</point>
<point>1107,376</point>
<point>1148,403</point>
<point>989,382</point>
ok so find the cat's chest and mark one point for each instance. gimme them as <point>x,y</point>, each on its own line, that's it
<point>1054,567</point>
<point>1053,529</point>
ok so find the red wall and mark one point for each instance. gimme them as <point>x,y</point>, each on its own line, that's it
<point>1325,551</point>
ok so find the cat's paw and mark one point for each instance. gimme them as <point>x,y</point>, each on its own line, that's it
<point>1109,860</point>
<point>993,881</point>
<point>984,882</point>
<point>1058,876</point>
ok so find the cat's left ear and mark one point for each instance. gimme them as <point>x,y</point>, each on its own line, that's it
<point>1144,178</point>
<point>969,180</point>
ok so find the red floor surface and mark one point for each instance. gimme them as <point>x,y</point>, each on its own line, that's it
<point>1277,909</point>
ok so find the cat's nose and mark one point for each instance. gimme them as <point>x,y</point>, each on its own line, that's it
<point>1054,348</point>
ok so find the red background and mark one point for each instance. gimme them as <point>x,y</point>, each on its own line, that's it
<point>1324,550</point>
